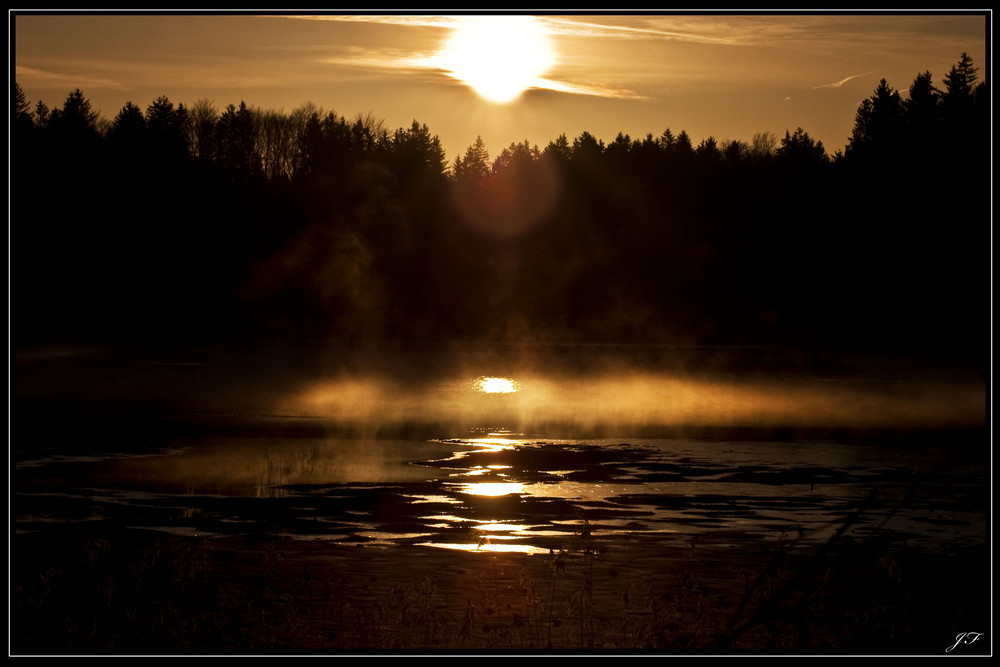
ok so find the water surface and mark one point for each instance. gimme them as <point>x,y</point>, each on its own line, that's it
<point>505,491</point>
<point>502,452</point>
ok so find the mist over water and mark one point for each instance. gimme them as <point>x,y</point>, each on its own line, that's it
<point>599,394</point>
<point>405,447</point>
<point>632,401</point>
<point>560,391</point>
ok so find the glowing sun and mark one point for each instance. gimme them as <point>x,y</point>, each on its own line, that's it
<point>498,56</point>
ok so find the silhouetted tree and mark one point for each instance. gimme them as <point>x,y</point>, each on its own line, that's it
<point>799,147</point>
<point>960,80</point>
<point>129,124</point>
<point>168,126</point>
<point>76,121</point>
<point>474,166</point>
<point>734,151</point>
<point>683,147</point>
<point>202,117</point>
<point>516,156</point>
<point>587,147</point>
<point>965,108</point>
<point>20,110</point>
<point>763,146</point>
<point>708,151</point>
<point>277,138</point>
<point>368,133</point>
<point>42,114</point>
<point>558,149</point>
<point>619,150</point>
<point>236,143</point>
<point>342,149</point>
<point>877,123</point>
<point>922,106</point>
<point>922,122</point>
<point>22,127</point>
<point>127,135</point>
<point>313,152</point>
<point>647,149</point>
<point>416,158</point>
<point>667,139</point>
<point>339,227</point>
<point>677,149</point>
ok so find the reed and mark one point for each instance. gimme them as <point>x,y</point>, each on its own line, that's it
<point>288,467</point>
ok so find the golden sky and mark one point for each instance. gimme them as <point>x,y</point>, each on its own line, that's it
<point>719,75</point>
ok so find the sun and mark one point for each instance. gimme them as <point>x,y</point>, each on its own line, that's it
<point>498,56</point>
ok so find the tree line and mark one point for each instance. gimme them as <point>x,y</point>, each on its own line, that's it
<point>187,222</point>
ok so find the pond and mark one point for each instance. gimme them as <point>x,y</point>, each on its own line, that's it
<point>301,496</point>
<point>498,490</point>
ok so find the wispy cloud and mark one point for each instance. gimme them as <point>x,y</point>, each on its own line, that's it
<point>594,90</point>
<point>838,84</point>
<point>809,37</point>
<point>649,27</point>
<point>429,60</point>
<point>652,27</point>
<point>417,20</point>
<point>69,81</point>
<point>706,30</point>
<point>377,58</point>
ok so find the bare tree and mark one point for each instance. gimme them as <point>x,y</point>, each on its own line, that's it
<point>763,146</point>
<point>203,117</point>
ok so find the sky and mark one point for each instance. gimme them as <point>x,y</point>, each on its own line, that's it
<point>712,75</point>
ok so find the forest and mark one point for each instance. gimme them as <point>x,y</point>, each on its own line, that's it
<point>187,224</point>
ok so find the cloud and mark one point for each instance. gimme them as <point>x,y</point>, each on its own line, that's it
<point>838,84</point>
<point>588,89</point>
<point>377,58</point>
<point>653,27</point>
<point>417,20</point>
<point>30,76</point>
<point>672,28</point>
<point>431,60</point>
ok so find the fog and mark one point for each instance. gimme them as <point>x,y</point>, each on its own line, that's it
<point>626,392</point>
<point>631,401</point>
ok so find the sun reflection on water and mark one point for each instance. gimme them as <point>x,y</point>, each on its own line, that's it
<point>491,488</point>
<point>497,526</point>
<point>492,547</point>
<point>497,385</point>
<point>499,483</point>
<point>493,444</point>
<point>485,470</point>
